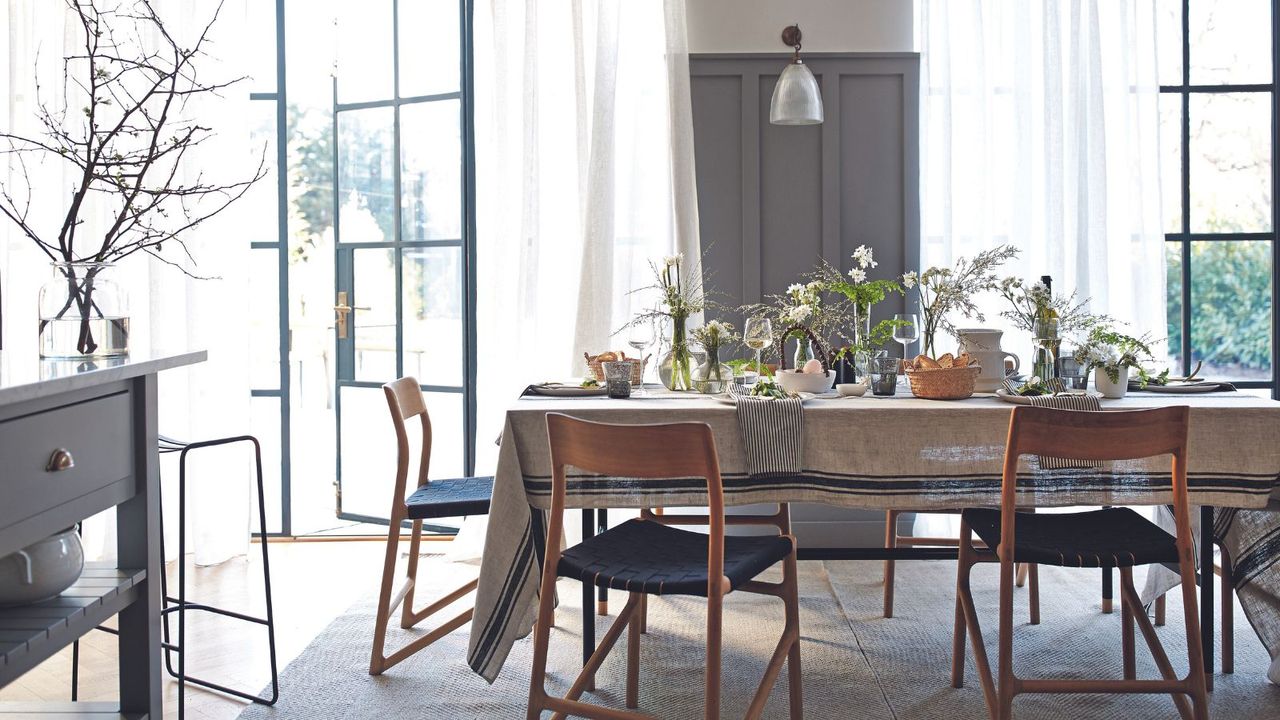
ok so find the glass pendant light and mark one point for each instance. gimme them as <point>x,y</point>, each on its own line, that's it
<point>796,100</point>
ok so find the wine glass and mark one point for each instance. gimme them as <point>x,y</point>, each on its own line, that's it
<point>639,337</point>
<point>907,330</point>
<point>757,335</point>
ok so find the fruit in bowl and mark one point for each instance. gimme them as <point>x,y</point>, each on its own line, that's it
<point>798,381</point>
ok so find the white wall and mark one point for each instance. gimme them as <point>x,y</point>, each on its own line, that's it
<point>746,26</point>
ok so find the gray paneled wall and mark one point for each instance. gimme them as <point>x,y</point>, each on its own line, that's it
<point>775,200</point>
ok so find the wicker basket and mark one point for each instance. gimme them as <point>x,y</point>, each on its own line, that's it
<point>637,366</point>
<point>943,383</point>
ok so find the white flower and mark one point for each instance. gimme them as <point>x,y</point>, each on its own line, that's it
<point>910,279</point>
<point>1039,293</point>
<point>795,289</point>
<point>673,260</point>
<point>863,256</point>
<point>799,313</point>
<point>1010,284</point>
<point>858,275</point>
<point>814,286</point>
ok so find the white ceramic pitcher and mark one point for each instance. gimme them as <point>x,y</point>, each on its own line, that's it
<point>983,345</point>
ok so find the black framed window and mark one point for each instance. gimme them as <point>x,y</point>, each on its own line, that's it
<point>1218,108</point>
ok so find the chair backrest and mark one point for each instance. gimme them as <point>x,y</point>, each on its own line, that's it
<point>1086,435</point>
<point>673,450</point>
<point>405,400</point>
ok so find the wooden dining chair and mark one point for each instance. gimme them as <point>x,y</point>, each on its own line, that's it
<point>1107,538</point>
<point>430,499</point>
<point>1026,571</point>
<point>648,556</point>
<point>1224,570</point>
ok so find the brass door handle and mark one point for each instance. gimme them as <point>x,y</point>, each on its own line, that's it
<point>60,460</point>
<point>342,309</point>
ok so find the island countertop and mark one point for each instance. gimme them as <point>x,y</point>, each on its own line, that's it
<point>24,378</point>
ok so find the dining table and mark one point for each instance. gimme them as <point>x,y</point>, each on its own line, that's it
<point>869,452</point>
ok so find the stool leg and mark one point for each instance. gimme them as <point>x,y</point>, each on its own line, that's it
<point>266,574</point>
<point>1033,592</point>
<point>602,601</point>
<point>588,595</point>
<point>1106,591</point>
<point>1228,616</point>
<point>1160,610</point>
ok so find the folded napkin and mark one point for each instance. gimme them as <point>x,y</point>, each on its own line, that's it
<point>1067,401</point>
<point>772,434</point>
<point>1217,386</point>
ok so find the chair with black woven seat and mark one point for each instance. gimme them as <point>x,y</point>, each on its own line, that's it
<point>1107,538</point>
<point>649,557</point>
<point>431,500</point>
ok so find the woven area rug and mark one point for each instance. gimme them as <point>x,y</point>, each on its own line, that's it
<point>856,664</point>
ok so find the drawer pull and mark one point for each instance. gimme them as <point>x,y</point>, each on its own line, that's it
<point>60,460</point>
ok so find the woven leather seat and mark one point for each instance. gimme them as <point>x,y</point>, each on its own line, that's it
<point>645,556</point>
<point>1111,537</point>
<point>451,498</point>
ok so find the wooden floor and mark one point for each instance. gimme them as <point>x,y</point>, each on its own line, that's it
<point>313,582</point>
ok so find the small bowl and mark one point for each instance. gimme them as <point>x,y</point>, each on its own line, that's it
<point>798,382</point>
<point>851,389</point>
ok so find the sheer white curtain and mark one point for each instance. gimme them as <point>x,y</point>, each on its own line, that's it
<point>1039,128</point>
<point>584,155</point>
<point>170,311</point>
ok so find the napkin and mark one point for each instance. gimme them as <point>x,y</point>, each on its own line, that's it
<point>772,434</point>
<point>1218,386</point>
<point>1067,402</point>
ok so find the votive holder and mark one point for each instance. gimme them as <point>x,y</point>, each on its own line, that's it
<point>617,378</point>
<point>884,375</point>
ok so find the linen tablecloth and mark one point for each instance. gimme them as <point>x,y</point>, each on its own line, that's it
<point>874,453</point>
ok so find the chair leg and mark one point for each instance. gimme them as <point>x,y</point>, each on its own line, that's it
<point>1126,640</point>
<point>376,660</point>
<point>1129,598</point>
<point>795,688</point>
<point>644,615</point>
<point>1023,571</point>
<point>406,609</point>
<point>715,616</point>
<point>633,654</point>
<point>1160,611</point>
<point>1228,616</point>
<point>958,628</point>
<point>1033,592</point>
<point>890,541</point>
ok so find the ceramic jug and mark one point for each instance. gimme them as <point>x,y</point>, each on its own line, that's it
<point>983,345</point>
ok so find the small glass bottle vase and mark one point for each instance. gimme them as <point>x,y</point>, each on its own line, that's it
<point>1044,358</point>
<point>712,376</point>
<point>84,313</point>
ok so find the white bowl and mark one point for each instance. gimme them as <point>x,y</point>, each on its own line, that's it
<point>851,389</point>
<point>798,382</point>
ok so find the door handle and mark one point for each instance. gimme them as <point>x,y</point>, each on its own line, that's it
<point>342,309</point>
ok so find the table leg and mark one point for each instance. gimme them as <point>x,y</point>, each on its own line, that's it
<point>602,599</point>
<point>1206,591</point>
<point>588,595</point>
<point>1106,590</point>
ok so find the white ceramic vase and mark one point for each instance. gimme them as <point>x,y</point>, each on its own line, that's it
<point>1113,390</point>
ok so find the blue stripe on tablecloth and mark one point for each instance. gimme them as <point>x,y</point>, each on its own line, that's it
<point>492,633</point>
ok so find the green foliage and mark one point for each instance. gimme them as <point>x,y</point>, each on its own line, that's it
<point>1231,303</point>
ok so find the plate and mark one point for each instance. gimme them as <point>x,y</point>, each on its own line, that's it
<point>1026,400</point>
<point>558,390</point>
<point>1179,388</point>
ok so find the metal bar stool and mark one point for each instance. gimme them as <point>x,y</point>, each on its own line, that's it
<point>180,605</point>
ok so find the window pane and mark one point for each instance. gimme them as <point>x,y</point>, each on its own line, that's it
<point>1230,41</point>
<point>429,47</point>
<point>366,179</point>
<point>264,321</point>
<point>1171,160</point>
<point>1231,309</point>
<point>260,44</point>
<point>1173,305</point>
<point>1169,41</point>
<point>433,315</point>
<point>373,314</point>
<point>365,51</point>
<point>431,173</point>
<point>1230,162</point>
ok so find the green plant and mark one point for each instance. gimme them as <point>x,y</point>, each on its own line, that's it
<point>1111,351</point>
<point>945,292</point>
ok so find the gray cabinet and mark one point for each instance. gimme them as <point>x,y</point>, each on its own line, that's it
<point>99,420</point>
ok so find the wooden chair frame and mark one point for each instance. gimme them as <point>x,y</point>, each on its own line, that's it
<point>1123,435</point>
<point>655,451</point>
<point>892,540</point>
<point>405,400</point>
<point>1228,589</point>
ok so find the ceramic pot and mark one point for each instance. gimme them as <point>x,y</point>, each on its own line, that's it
<point>1113,390</point>
<point>41,570</point>
<point>983,345</point>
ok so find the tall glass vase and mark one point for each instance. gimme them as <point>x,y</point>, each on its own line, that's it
<point>83,312</point>
<point>675,368</point>
<point>804,352</point>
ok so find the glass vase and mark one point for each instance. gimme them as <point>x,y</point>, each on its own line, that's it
<point>712,376</point>
<point>804,353</point>
<point>1044,354</point>
<point>84,313</point>
<point>675,367</point>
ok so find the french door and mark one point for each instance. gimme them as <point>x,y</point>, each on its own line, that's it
<point>404,254</point>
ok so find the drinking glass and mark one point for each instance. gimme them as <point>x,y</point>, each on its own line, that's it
<point>757,335</point>
<point>884,375</point>
<point>639,337</point>
<point>908,333</point>
<point>617,377</point>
